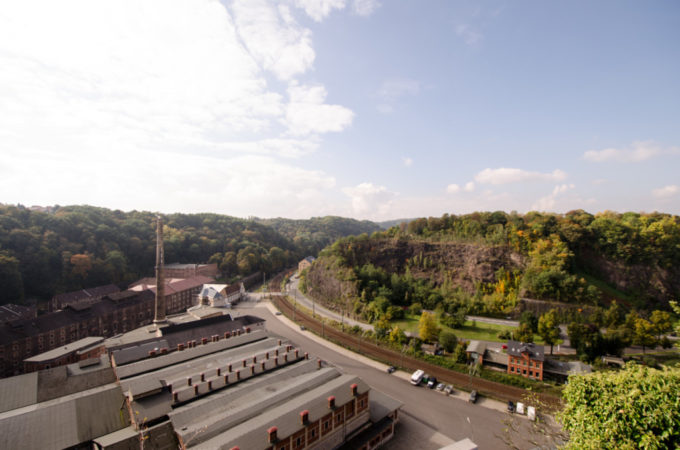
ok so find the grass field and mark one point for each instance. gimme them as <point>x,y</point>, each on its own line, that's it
<point>480,331</point>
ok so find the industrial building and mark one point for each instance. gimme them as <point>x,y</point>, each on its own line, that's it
<point>220,382</point>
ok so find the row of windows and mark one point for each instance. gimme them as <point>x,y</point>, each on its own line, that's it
<point>523,362</point>
<point>328,422</point>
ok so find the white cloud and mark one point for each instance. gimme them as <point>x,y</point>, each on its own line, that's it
<point>548,202</point>
<point>306,113</point>
<point>370,200</point>
<point>319,9</point>
<point>365,7</point>
<point>273,38</point>
<point>391,90</point>
<point>469,34</point>
<point>469,186</point>
<point>160,105</point>
<point>452,188</point>
<point>639,151</point>
<point>505,175</point>
<point>667,191</point>
<point>408,162</point>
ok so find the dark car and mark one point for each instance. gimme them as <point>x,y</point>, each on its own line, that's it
<point>432,382</point>
<point>473,397</point>
<point>391,369</point>
<point>511,407</point>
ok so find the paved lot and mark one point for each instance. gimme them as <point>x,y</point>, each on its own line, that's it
<point>430,419</point>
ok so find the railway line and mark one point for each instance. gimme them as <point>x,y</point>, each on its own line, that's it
<point>391,357</point>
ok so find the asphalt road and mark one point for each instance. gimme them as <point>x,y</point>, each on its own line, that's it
<point>429,419</point>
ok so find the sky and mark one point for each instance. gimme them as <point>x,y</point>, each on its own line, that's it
<point>371,109</point>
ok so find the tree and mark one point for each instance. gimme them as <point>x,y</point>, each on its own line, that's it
<point>523,333</point>
<point>448,340</point>
<point>530,319</point>
<point>676,309</point>
<point>11,284</point>
<point>661,320</point>
<point>636,407</point>
<point>397,336</point>
<point>612,317</point>
<point>549,328</point>
<point>643,334</point>
<point>427,327</point>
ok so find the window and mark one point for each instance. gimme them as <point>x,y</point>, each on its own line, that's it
<point>339,417</point>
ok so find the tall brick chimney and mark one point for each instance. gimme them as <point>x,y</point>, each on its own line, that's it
<point>159,315</point>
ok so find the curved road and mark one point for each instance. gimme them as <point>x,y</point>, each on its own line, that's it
<point>429,419</point>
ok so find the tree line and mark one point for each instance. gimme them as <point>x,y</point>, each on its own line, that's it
<point>72,247</point>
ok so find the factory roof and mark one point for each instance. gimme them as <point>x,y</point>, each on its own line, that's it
<point>44,385</point>
<point>67,349</point>
<point>252,433</point>
<point>64,421</point>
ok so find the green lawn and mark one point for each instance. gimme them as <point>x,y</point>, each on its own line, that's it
<point>481,331</point>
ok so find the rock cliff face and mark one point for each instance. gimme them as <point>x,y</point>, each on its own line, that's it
<point>464,265</point>
<point>650,282</point>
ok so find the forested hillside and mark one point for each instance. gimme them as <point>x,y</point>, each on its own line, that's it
<point>485,262</point>
<point>68,248</point>
<point>310,236</point>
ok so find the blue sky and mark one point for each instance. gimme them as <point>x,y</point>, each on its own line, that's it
<point>360,108</point>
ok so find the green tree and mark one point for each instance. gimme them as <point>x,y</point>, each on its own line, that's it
<point>428,329</point>
<point>637,407</point>
<point>448,340</point>
<point>643,334</point>
<point>612,317</point>
<point>11,284</point>
<point>397,336</point>
<point>661,320</point>
<point>549,328</point>
<point>530,319</point>
<point>523,333</point>
<point>676,309</point>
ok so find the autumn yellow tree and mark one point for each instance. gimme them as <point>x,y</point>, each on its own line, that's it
<point>427,327</point>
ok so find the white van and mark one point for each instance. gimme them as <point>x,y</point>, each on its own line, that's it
<point>417,377</point>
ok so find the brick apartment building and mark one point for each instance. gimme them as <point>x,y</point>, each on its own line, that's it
<point>180,293</point>
<point>115,313</point>
<point>60,301</point>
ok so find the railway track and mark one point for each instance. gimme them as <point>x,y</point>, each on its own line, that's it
<point>362,346</point>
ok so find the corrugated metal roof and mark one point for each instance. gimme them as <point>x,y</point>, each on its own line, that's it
<point>177,370</point>
<point>18,391</point>
<point>196,411</point>
<point>176,357</point>
<point>66,349</point>
<point>252,434</point>
<point>65,421</point>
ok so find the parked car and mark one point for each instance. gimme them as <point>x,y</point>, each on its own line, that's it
<point>440,387</point>
<point>302,328</point>
<point>511,407</point>
<point>391,369</point>
<point>473,397</point>
<point>278,313</point>
<point>417,377</point>
<point>448,389</point>
<point>432,382</point>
